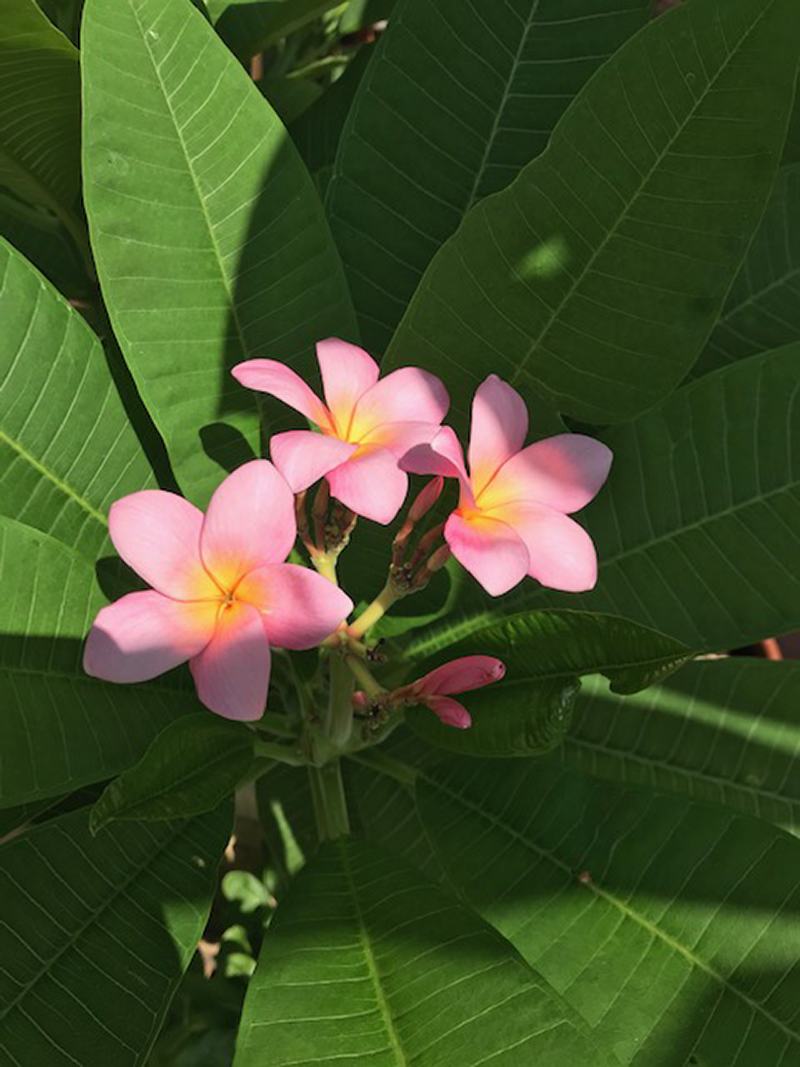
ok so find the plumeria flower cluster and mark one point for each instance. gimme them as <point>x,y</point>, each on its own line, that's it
<point>222,595</point>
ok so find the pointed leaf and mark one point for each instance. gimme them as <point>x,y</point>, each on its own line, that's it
<point>39,108</point>
<point>188,769</point>
<point>596,277</point>
<point>458,98</point>
<point>545,654</point>
<point>61,729</point>
<point>669,924</point>
<point>210,240</point>
<point>725,731</point>
<point>68,450</point>
<point>368,962</point>
<point>698,529</point>
<point>98,931</point>
<point>249,26</point>
<point>763,307</point>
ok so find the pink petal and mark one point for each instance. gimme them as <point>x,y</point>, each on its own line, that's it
<point>270,376</point>
<point>250,521</point>
<point>299,607</point>
<point>450,712</point>
<point>347,373</point>
<point>370,484</point>
<point>158,535</point>
<point>461,675</point>
<point>498,430</point>
<point>443,456</point>
<point>405,395</point>
<point>562,555</point>
<point>145,634</point>
<point>400,437</point>
<point>564,472</point>
<point>304,457</point>
<point>232,672</point>
<point>490,550</point>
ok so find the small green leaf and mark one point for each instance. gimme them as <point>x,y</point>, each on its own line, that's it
<point>594,279</point>
<point>247,891</point>
<point>249,26</point>
<point>725,731</point>
<point>762,310</point>
<point>39,109</point>
<point>367,962</point>
<point>668,924</point>
<point>545,654</point>
<point>189,768</point>
<point>97,933</point>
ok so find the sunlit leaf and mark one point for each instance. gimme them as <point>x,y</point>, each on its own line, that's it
<point>366,961</point>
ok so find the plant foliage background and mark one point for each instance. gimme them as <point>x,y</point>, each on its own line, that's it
<point>603,207</point>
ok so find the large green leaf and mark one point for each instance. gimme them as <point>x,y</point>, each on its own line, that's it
<point>189,768</point>
<point>68,450</point>
<point>39,109</point>
<point>672,926</point>
<point>595,278</point>
<point>458,98</point>
<point>725,730</point>
<point>96,935</point>
<point>545,654</point>
<point>763,307</point>
<point>210,240</point>
<point>698,529</point>
<point>368,962</point>
<point>59,728</point>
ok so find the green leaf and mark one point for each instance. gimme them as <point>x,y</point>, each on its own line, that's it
<point>594,280</point>
<point>67,448</point>
<point>725,731</point>
<point>61,729</point>
<point>39,108</point>
<point>763,307</point>
<point>698,529</point>
<point>362,13</point>
<point>189,768</point>
<point>368,962</point>
<point>545,654</point>
<point>286,812</point>
<point>668,924</point>
<point>458,98</point>
<point>97,934</point>
<point>210,240</point>
<point>289,97</point>
<point>316,133</point>
<point>249,26</point>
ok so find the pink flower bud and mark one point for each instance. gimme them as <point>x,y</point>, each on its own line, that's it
<point>458,676</point>
<point>426,498</point>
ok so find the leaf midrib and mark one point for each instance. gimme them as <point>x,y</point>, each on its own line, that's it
<point>609,898</point>
<point>62,486</point>
<point>612,232</point>
<point>369,958</point>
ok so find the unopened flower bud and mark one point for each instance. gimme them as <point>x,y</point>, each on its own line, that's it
<point>426,498</point>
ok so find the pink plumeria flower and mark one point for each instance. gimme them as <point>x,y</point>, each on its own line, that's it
<point>366,425</point>
<point>511,519</point>
<point>458,676</point>
<point>221,594</point>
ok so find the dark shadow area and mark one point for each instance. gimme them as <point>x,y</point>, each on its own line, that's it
<point>226,445</point>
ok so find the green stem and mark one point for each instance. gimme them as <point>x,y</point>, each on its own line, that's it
<point>392,768</point>
<point>363,675</point>
<point>330,802</point>
<point>277,725</point>
<point>325,565</point>
<point>376,610</point>
<point>340,708</point>
<point>290,754</point>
